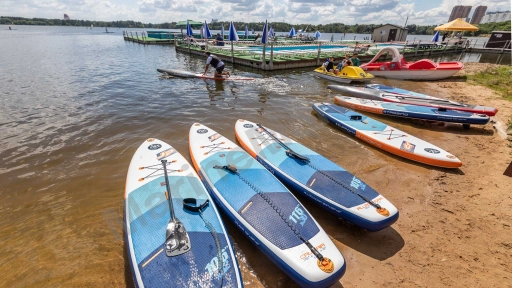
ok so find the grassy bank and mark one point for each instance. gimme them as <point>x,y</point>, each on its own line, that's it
<point>497,78</point>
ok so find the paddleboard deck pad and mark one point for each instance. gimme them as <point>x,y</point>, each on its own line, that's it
<point>316,177</point>
<point>378,95</point>
<point>211,260</point>
<point>264,210</point>
<point>412,111</point>
<point>188,74</point>
<point>386,137</point>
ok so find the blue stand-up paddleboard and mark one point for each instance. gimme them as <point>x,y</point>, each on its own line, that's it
<point>175,240</point>
<point>386,137</point>
<point>413,111</point>
<point>316,177</point>
<point>263,209</point>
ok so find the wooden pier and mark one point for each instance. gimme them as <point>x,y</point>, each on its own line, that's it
<point>143,39</point>
<point>277,60</point>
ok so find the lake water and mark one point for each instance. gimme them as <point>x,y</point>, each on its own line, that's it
<point>76,103</point>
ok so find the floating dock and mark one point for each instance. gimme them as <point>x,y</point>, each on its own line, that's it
<point>279,58</point>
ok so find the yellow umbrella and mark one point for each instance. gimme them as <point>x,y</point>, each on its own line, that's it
<point>457,25</point>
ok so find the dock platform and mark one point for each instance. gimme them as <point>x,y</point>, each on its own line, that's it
<point>280,60</point>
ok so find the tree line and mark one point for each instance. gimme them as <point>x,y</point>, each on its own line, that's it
<point>258,26</point>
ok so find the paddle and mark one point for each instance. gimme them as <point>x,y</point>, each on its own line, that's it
<point>177,241</point>
<point>289,151</point>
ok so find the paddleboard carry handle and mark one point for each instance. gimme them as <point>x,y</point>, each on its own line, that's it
<point>289,152</point>
<point>177,240</point>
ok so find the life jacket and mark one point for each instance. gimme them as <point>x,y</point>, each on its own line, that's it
<point>330,66</point>
<point>215,61</point>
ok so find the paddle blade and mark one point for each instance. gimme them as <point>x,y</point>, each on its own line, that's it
<point>177,241</point>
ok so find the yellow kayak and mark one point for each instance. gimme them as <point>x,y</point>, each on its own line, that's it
<point>346,75</point>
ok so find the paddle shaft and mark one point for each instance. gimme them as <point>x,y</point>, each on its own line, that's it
<point>169,198</point>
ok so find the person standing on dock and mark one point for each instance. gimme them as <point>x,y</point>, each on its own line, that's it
<point>216,63</point>
<point>219,40</point>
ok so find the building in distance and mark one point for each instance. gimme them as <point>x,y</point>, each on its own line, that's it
<point>492,17</point>
<point>478,14</point>
<point>460,11</point>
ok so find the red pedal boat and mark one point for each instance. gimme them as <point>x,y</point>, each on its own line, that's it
<point>398,68</point>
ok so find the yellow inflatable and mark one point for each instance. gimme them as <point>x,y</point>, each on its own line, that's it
<point>346,75</point>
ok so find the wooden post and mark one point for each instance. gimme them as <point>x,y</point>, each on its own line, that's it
<point>318,56</point>
<point>271,55</point>
<point>137,34</point>
<point>445,46</point>
<point>403,49</point>
<point>417,47</point>
<point>263,57</point>
<point>232,54</point>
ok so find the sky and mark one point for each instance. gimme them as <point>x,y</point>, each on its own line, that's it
<point>420,12</point>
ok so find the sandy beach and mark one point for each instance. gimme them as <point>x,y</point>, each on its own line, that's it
<point>455,225</point>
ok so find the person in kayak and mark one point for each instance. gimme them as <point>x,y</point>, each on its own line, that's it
<point>216,63</point>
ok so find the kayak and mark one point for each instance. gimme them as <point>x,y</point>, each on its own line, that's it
<point>412,111</point>
<point>386,137</point>
<point>264,210</point>
<point>346,75</point>
<point>374,94</point>
<point>316,177</point>
<point>187,74</point>
<point>182,248</point>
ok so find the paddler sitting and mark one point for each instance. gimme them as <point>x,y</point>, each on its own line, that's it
<point>329,66</point>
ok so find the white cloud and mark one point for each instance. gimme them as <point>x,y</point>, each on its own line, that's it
<point>291,11</point>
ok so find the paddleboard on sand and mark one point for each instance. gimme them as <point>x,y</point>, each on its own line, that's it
<point>396,90</point>
<point>374,94</point>
<point>201,252</point>
<point>187,74</point>
<point>412,111</point>
<point>317,178</point>
<point>386,137</point>
<point>264,210</point>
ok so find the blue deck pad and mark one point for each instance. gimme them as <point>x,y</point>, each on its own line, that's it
<point>305,174</point>
<point>343,115</point>
<point>337,193</point>
<point>149,215</point>
<point>232,188</point>
<point>266,220</point>
<point>196,268</point>
<point>425,109</point>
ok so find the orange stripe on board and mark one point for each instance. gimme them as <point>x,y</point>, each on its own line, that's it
<point>196,166</point>
<point>246,148</point>
<point>405,154</point>
<point>375,110</point>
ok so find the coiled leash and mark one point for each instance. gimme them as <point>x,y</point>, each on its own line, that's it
<point>290,153</point>
<point>232,168</point>
<point>190,204</point>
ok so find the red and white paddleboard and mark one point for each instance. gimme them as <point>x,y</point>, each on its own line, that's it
<point>187,74</point>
